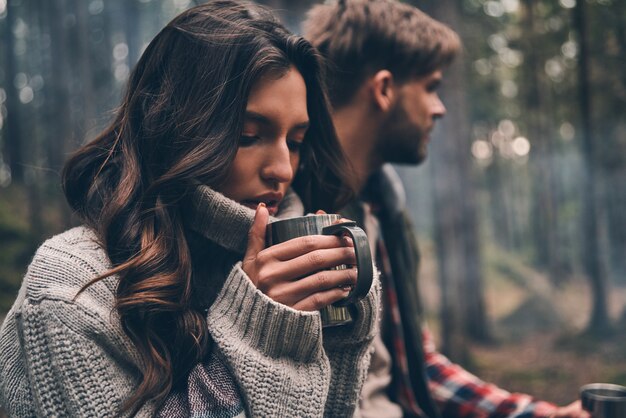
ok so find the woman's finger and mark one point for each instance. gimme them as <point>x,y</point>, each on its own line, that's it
<point>342,220</point>
<point>307,264</point>
<point>291,293</point>
<point>256,241</point>
<point>347,241</point>
<point>297,247</point>
<point>320,300</point>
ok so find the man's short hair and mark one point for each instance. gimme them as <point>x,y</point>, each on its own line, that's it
<point>362,37</point>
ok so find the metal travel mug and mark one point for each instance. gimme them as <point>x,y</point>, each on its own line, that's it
<point>286,229</point>
<point>604,400</point>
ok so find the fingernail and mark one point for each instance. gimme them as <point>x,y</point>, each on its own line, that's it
<point>259,206</point>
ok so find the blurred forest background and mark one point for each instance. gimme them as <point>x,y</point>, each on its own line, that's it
<point>520,209</point>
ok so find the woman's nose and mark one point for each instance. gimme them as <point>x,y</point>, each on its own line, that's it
<point>278,166</point>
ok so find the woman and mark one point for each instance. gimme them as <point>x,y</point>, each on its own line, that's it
<point>166,302</point>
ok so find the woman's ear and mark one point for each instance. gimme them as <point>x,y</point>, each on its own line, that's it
<point>382,90</point>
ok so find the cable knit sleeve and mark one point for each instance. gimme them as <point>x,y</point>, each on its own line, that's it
<point>60,356</point>
<point>277,355</point>
<point>68,372</point>
<point>349,350</point>
<point>275,352</point>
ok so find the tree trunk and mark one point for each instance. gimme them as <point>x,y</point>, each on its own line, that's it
<point>291,12</point>
<point>475,318</point>
<point>456,224</point>
<point>37,180</point>
<point>132,21</point>
<point>57,110</point>
<point>612,130</point>
<point>12,138</point>
<point>58,117</point>
<point>544,211</point>
<point>599,323</point>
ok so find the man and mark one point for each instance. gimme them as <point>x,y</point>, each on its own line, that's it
<point>385,65</point>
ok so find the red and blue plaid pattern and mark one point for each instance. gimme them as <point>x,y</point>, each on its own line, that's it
<point>457,393</point>
<point>460,394</point>
<point>406,395</point>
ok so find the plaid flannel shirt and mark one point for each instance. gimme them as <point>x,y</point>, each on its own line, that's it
<point>456,392</point>
<point>460,394</point>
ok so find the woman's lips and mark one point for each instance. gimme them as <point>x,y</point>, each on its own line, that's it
<point>270,199</point>
<point>272,206</point>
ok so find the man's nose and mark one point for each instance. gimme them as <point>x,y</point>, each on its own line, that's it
<point>439,109</point>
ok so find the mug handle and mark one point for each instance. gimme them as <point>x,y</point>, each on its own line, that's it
<point>365,270</point>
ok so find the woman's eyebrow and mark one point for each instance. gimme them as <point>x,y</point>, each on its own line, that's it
<point>257,117</point>
<point>264,120</point>
<point>302,126</point>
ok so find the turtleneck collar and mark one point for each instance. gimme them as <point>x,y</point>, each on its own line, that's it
<point>226,222</point>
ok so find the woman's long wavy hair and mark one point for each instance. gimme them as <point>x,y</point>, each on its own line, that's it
<point>179,124</point>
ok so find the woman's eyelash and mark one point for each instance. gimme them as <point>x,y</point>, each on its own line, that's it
<point>294,145</point>
<point>246,140</point>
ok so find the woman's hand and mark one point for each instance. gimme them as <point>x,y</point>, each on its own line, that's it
<point>295,273</point>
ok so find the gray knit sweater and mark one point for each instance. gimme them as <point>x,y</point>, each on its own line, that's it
<point>66,357</point>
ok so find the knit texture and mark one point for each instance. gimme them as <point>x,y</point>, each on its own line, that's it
<point>209,391</point>
<point>66,356</point>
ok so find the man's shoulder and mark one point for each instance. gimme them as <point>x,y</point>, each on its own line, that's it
<point>385,191</point>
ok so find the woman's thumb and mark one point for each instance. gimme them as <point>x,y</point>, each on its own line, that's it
<point>256,234</point>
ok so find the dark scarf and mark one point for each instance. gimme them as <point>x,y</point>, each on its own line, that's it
<point>398,258</point>
<point>218,236</point>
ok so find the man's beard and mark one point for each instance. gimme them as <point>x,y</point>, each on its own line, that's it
<point>401,141</point>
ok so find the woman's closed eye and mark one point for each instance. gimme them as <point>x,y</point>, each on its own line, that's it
<point>248,140</point>
<point>295,145</point>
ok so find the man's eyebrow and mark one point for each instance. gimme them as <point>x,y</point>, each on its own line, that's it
<point>264,120</point>
<point>434,84</point>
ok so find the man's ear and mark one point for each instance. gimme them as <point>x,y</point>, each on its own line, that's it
<point>383,90</point>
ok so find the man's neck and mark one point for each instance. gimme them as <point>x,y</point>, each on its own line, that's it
<point>357,134</point>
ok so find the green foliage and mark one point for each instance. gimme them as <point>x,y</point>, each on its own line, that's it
<point>534,376</point>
